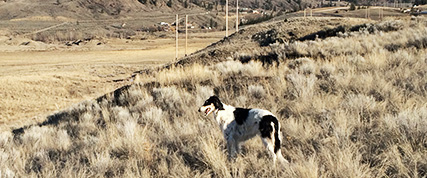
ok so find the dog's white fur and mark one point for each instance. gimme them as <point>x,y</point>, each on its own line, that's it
<point>236,134</point>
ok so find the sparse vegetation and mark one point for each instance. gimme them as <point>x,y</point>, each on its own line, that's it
<point>142,1</point>
<point>348,106</point>
<point>169,3</point>
<point>42,78</point>
<point>352,7</point>
<point>258,19</point>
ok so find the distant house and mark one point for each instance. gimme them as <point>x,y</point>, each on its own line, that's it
<point>119,26</point>
<point>243,20</point>
<point>190,25</point>
<point>245,10</point>
<point>206,28</point>
<point>164,24</point>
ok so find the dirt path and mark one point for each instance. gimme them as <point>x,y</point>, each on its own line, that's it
<point>328,9</point>
<point>46,29</point>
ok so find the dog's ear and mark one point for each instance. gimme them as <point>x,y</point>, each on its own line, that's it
<point>217,103</point>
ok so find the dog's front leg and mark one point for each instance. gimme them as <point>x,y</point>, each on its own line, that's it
<point>231,148</point>
<point>239,147</point>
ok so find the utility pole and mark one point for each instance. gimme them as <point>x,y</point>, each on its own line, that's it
<point>176,37</point>
<point>382,12</point>
<point>186,34</point>
<point>366,12</point>
<point>305,13</point>
<point>226,18</point>
<point>237,15</point>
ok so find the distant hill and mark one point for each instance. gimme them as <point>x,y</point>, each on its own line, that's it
<point>81,9</point>
<point>106,9</point>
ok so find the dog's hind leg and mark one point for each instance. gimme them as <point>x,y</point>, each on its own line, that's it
<point>276,154</point>
<point>270,134</point>
<point>280,157</point>
<point>270,147</point>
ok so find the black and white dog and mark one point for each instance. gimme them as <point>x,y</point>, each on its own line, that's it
<point>240,124</point>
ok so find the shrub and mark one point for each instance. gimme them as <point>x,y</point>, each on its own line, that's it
<point>257,91</point>
<point>352,7</point>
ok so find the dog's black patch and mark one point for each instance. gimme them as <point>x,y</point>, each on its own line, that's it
<point>240,115</point>
<point>214,100</point>
<point>266,129</point>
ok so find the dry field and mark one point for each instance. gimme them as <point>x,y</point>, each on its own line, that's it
<point>343,11</point>
<point>351,102</point>
<point>38,79</point>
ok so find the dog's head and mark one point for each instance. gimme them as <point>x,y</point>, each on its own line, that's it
<point>210,105</point>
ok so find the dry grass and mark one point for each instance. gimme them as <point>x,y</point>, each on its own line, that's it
<point>349,107</point>
<point>37,83</point>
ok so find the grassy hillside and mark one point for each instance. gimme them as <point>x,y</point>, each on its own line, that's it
<point>350,96</point>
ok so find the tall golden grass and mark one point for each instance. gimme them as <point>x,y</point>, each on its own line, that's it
<point>352,105</point>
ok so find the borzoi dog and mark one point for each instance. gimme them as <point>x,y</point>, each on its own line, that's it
<point>240,124</point>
